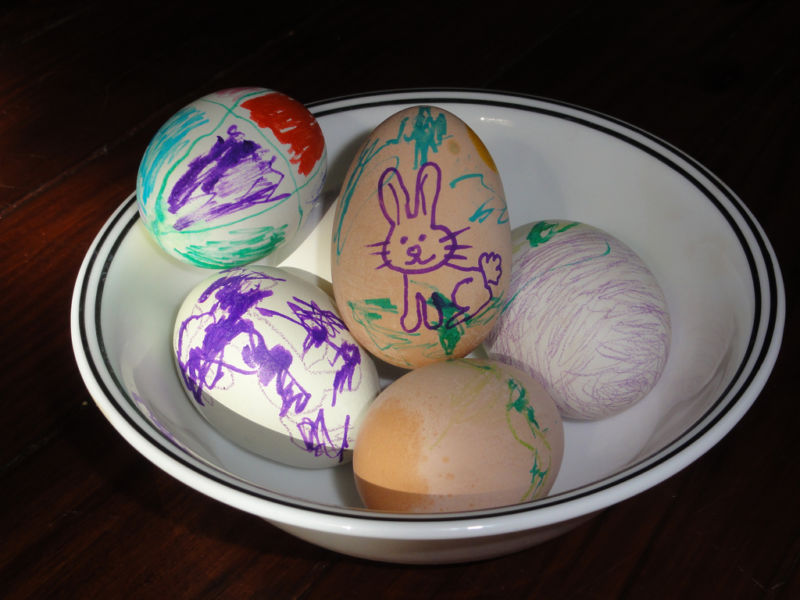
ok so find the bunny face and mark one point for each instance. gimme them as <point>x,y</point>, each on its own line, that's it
<point>415,243</point>
<point>409,251</point>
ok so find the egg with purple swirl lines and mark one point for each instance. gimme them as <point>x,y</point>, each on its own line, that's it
<point>585,316</point>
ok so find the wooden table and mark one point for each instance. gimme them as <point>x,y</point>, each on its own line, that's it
<point>83,87</point>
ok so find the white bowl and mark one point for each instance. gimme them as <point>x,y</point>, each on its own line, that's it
<point>717,269</point>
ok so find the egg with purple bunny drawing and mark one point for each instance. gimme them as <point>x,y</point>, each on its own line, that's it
<point>421,242</point>
<point>264,356</point>
<point>585,316</point>
<point>232,177</point>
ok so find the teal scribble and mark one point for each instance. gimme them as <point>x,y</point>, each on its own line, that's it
<point>165,145</point>
<point>186,147</point>
<point>478,176</point>
<point>543,232</point>
<point>484,211</point>
<point>427,134</point>
<point>366,154</point>
<point>481,214</point>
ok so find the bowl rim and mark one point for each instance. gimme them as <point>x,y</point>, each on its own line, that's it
<point>747,382</point>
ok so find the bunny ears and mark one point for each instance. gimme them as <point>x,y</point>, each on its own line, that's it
<point>392,190</point>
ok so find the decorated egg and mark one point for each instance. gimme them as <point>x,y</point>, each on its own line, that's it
<point>584,316</point>
<point>421,251</point>
<point>265,358</point>
<point>456,435</point>
<point>230,178</point>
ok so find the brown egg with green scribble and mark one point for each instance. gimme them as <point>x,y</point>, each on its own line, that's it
<point>458,435</point>
<point>421,244</point>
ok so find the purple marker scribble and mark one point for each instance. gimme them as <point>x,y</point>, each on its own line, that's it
<point>318,440</point>
<point>222,342</point>
<point>322,328</point>
<point>416,244</point>
<point>234,175</point>
<point>205,363</point>
<point>587,319</point>
<point>272,365</point>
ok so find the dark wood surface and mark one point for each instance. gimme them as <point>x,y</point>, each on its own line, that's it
<point>83,87</point>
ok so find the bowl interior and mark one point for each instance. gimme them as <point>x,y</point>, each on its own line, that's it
<point>556,162</point>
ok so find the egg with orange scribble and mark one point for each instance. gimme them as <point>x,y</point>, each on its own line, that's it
<point>421,242</point>
<point>232,177</point>
<point>458,435</point>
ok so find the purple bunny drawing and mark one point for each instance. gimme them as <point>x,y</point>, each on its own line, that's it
<point>418,246</point>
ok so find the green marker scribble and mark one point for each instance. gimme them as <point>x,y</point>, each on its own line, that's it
<point>379,319</point>
<point>250,245</point>
<point>384,303</point>
<point>543,232</point>
<point>536,474</point>
<point>372,315</point>
<point>520,403</point>
<point>448,336</point>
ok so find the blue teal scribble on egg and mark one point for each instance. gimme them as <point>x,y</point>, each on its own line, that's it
<point>231,177</point>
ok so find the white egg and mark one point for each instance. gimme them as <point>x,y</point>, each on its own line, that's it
<point>267,360</point>
<point>231,177</point>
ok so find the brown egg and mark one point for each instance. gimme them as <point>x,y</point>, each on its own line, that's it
<point>458,435</point>
<point>421,250</point>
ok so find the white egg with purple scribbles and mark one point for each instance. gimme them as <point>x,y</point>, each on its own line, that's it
<point>585,316</point>
<point>266,359</point>
<point>232,177</point>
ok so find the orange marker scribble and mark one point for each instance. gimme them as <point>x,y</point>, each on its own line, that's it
<point>292,124</point>
<point>483,152</point>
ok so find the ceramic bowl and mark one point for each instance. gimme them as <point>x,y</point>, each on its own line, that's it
<point>716,267</point>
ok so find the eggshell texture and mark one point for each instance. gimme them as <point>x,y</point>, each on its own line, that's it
<point>229,178</point>
<point>421,243</point>
<point>585,317</point>
<point>268,362</point>
<point>458,435</point>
